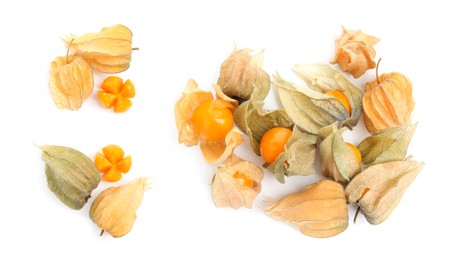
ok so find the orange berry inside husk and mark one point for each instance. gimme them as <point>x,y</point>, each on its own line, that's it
<point>212,121</point>
<point>340,97</point>
<point>273,143</point>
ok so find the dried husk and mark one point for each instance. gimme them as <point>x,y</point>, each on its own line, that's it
<point>297,158</point>
<point>71,81</point>
<point>108,51</point>
<point>192,96</point>
<point>213,151</point>
<point>338,161</point>
<point>386,145</point>
<point>311,109</point>
<point>322,78</point>
<point>219,150</point>
<point>255,121</point>
<point>242,76</point>
<point>378,189</point>
<point>71,175</point>
<point>229,190</point>
<point>354,52</point>
<point>319,210</point>
<point>114,210</point>
<point>388,102</point>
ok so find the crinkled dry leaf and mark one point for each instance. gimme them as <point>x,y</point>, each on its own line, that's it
<point>388,102</point>
<point>242,76</point>
<point>322,78</point>
<point>71,175</point>
<point>297,158</point>
<point>378,189</point>
<point>71,81</point>
<point>219,150</point>
<point>237,183</point>
<point>319,210</point>
<point>192,96</point>
<point>338,161</point>
<point>386,145</point>
<point>114,210</point>
<point>354,52</point>
<point>255,121</point>
<point>108,51</point>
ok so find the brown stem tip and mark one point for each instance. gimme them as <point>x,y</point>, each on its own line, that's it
<point>377,71</point>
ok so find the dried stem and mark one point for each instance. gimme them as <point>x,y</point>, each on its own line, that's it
<point>68,48</point>
<point>377,71</point>
<point>102,232</point>
<point>135,49</point>
<point>356,215</point>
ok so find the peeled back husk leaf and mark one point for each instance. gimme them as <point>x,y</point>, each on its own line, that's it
<point>338,161</point>
<point>386,145</point>
<point>255,121</point>
<point>388,103</point>
<point>298,156</point>
<point>319,210</point>
<point>323,78</point>
<point>354,52</point>
<point>242,76</point>
<point>71,175</point>
<point>219,150</point>
<point>237,183</point>
<point>114,210</point>
<point>192,96</point>
<point>378,189</point>
<point>71,81</point>
<point>108,51</point>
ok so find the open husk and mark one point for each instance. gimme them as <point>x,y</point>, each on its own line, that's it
<point>378,189</point>
<point>311,109</point>
<point>320,210</point>
<point>213,151</point>
<point>298,156</point>
<point>388,102</point>
<point>354,52</point>
<point>236,183</point>
<point>108,51</point>
<point>71,81</point>
<point>338,161</point>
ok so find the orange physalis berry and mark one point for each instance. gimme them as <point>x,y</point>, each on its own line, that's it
<point>112,163</point>
<point>341,97</point>
<point>356,151</point>
<point>273,143</point>
<point>212,120</point>
<point>115,93</point>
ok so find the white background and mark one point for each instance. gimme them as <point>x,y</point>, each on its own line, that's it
<point>179,40</point>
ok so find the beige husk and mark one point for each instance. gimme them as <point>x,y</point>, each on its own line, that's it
<point>71,81</point>
<point>231,191</point>
<point>378,189</point>
<point>320,210</point>
<point>338,161</point>
<point>354,52</point>
<point>242,76</point>
<point>388,102</point>
<point>108,51</point>
<point>114,210</point>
